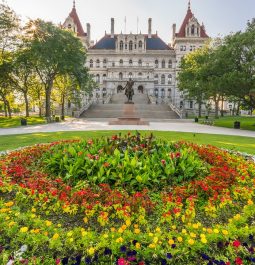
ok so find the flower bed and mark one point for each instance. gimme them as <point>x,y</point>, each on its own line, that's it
<point>126,200</point>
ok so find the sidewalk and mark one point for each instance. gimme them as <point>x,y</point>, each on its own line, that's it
<point>88,125</point>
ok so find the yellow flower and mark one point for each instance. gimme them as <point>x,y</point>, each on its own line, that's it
<point>56,236</point>
<point>84,233</point>
<point>105,236</point>
<point>193,235</point>
<point>179,239</point>
<point>203,240</point>
<point>46,233</point>
<point>48,223</point>
<point>71,240</point>
<point>170,241</point>
<point>33,215</point>
<point>225,232</point>
<point>91,251</point>
<point>202,235</point>
<point>112,229</point>
<point>136,225</point>
<point>69,234</point>
<point>7,218</point>
<point>158,229</point>
<point>152,246</point>
<point>173,227</point>
<point>237,217</point>
<point>138,245</point>
<point>33,210</point>
<point>191,241</point>
<point>119,240</point>
<point>23,229</point>
<point>124,227</point>
<point>184,231</point>
<point>12,223</point>
<point>128,222</point>
<point>216,231</point>
<point>155,239</point>
<point>137,231</point>
<point>209,230</point>
<point>9,204</point>
<point>195,226</point>
<point>151,234</point>
<point>120,230</point>
<point>59,225</point>
<point>85,220</point>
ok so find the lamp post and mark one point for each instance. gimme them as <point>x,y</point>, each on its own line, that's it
<point>230,109</point>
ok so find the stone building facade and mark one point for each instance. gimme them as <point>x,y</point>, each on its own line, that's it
<point>146,58</point>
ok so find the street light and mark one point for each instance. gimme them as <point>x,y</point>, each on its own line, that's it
<point>230,109</point>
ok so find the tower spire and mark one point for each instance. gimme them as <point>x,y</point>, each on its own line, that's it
<point>189,5</point>
<point>73,3</point>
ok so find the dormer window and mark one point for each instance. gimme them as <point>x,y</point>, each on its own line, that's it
<point>140,44</point>
<point>91,63</point>
<point>69,26</point>
<point>193,30</point>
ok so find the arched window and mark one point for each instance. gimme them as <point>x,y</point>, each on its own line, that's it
<point>98,78</point>
<point>163,64</point>
<point>192,29</point>
<point>156,63</point>
<point>104,92</point>
<point>91,63</point>
<point>156,79</point>
<point>169,79</point>
<point>130,62</point>
<point>104,77</point>
<point>104,63</point>
<point>156,92</point>
<point>98,63</point>
<point>162,92</point>
<point>130,75</point>
<point>163,79</point>
<point>120,76</point>
<point>121,45</point>
<point>169,92</point>
<point>140,62</point>
<point>140,75</point>
<point>140,44</point>
<point>170,63</point>
<point>121,62</point>
<point>131,45</point>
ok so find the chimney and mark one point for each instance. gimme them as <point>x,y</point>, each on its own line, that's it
<point>174,31</point>
<point>88,31</point>
<point>112,27</point>
<point>149,27</point>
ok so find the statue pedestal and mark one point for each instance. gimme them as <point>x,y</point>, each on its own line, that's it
<point>129,116</point>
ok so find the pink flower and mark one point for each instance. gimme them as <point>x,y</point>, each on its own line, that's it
<point>58,261</point>
<point>238,261</point>
<point>122,261</point>
<point>163,162</point>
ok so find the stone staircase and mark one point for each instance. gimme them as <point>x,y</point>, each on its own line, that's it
<point>143,110</point>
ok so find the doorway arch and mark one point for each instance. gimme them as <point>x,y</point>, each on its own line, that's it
<point>140,89</point>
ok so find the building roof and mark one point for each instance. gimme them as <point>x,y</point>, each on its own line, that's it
<point>76,20</point>
<point>189,15</point>
<point>153,43</point>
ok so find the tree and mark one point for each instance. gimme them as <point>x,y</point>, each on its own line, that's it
<point>54,52</point>
<point>189,78</point>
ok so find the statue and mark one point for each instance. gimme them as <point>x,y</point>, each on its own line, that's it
<point>129,91</point>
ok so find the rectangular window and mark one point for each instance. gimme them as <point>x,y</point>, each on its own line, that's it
<point>191,104</point>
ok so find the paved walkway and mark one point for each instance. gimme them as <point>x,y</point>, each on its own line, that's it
<point>88,125</point>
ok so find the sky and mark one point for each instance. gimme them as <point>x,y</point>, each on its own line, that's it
<point>220,17</point>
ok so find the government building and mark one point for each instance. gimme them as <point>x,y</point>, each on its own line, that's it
<point>145,58</point>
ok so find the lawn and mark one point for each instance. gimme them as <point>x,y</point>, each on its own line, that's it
<point>238,143</point>
<point>247,123</point>
<point>15,121</point>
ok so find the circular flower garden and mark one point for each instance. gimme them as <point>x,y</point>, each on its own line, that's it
<point>126,200</point>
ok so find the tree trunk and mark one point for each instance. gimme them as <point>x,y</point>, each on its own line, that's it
<point>199,109</point>
<point>5,109</point>
<point>9,109</point>
<point>238,108</point>
<point>216,101</point>
<point>63,107</point>
<point>222,106</point>
<point>48,89</point>
<point>27,104</point>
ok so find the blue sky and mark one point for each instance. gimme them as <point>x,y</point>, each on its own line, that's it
<point>219,16</point>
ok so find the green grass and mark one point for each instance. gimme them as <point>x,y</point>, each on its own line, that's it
<point>237,143</point>
<point>15,121</point>
<point>247,123</point>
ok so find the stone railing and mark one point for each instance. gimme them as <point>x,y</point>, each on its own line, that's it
<point>176,110</point>
<point>78,113</point>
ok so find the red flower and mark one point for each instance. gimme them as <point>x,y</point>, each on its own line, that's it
<point>238,261</point>
<point>236,243</point>
<point>122,261</point>
<point>163,162</point>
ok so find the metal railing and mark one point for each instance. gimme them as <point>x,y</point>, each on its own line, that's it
<point>179,112</point>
